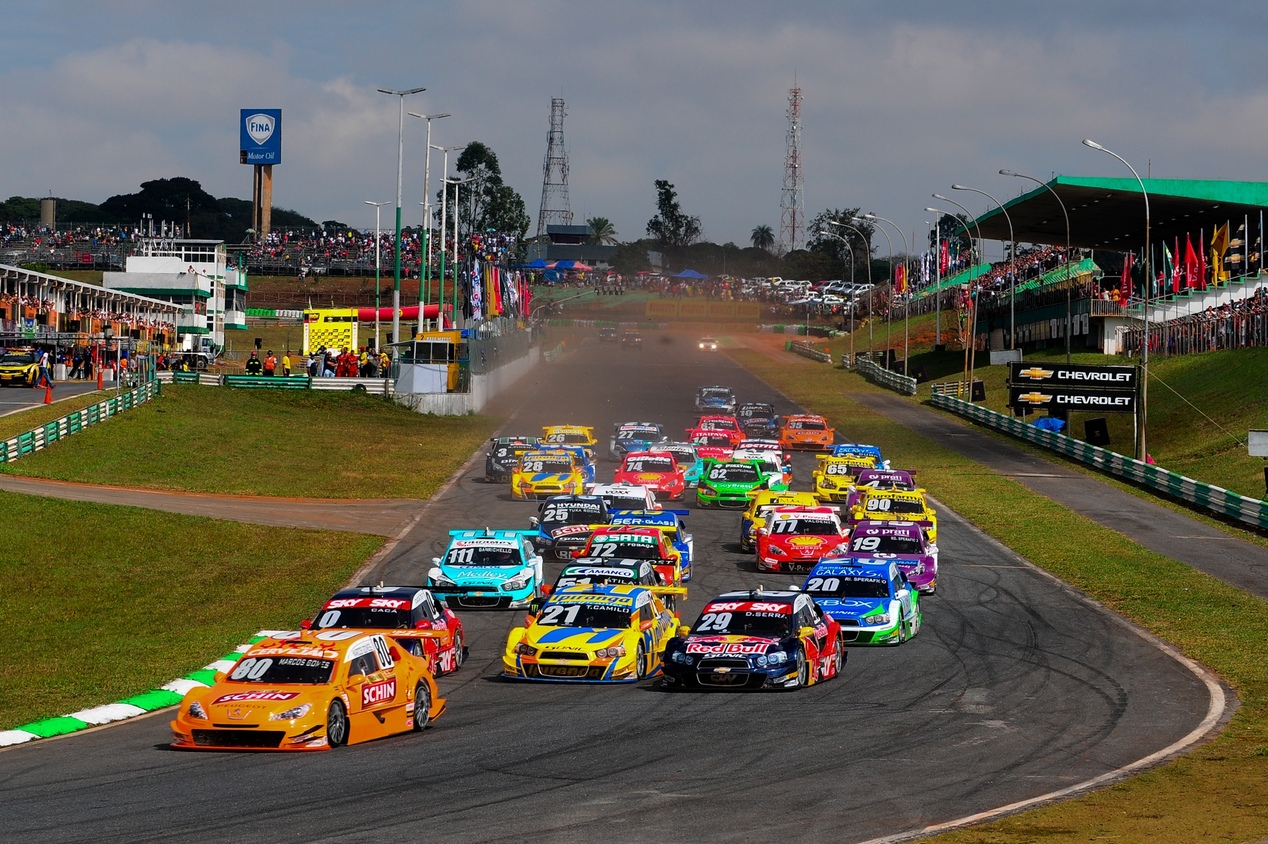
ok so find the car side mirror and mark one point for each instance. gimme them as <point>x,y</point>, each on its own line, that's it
<point>219,677</point>
<point>306,624</point>
<point>534,522</point>
<point>535,606</point>
<point>435,561</point>
<point>683,631</point>
<point>806,632</point>
<point>547,589</point>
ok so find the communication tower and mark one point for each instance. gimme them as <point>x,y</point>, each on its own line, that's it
<point>554,209</point>
<point>792,222</point>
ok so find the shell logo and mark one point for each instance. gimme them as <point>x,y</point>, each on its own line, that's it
<point>649,476</point>
<point>805,541</point>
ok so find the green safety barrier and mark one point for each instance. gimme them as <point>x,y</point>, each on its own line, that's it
<point>75,422</point>
<point>185,378</point>
<point>1251,511</point>
<point>878,374</point>
<point>268,382</point>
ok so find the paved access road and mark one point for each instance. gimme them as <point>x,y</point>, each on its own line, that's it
<point>1015,688</point>
<point>13,399</point>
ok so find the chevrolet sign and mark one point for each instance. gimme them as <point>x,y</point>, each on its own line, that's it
<point>1102,378</point>
<point>1059,398</point>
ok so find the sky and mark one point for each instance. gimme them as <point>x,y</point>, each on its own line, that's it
<point>899,99</point>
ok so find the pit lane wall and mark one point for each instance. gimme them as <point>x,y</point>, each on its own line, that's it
<point>1203,496</point>
<point>483,388</point>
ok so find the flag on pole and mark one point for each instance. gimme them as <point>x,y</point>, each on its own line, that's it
<point>944,260</point>
<point>1169,271</point>
<point>1192,270</point>
<point>1125,282</point>
<point>900,278</point>
<point>1219,245</point>
<point>1201,263</point>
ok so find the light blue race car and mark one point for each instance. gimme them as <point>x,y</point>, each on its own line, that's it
<point>872,601</point>
<point>487,569</point>
<point>671,524</point>
<point>860,450</point>
<point>687,457</point>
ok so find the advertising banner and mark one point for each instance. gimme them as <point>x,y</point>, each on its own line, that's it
<point>1073,376</point>
<point>260,132</point>
<point>1064,399</point>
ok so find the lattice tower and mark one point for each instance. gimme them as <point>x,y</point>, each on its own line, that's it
<point>554,209</point>
<point>792,222</point>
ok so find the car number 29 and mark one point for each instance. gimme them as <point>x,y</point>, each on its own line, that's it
<point>718,621</point>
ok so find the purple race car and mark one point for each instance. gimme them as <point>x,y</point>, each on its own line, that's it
<point>902,542</point>
<point>885,479</point>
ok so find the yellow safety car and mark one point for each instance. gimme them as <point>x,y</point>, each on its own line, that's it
<point>19,367</point>
<point>896,505</point>
<point>545,473</point>
<point>763,502</point>
<point>310,690</point>
<point>593,634</point>
<point>568,435</point>
<point>834,476</point>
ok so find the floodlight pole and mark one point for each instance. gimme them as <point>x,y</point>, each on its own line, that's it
<point>377,305</point>
<point>1068,309</point>
<point>425,275</point>
<point>867,243</point>
<point>849,248</point>
<point>1143,452</point>
<point>906,283</point>
<point>970,349</point>
<point>400,164</point>
<point>1012,297</point>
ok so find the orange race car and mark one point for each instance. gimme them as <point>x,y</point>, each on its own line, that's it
<point>310,690</point>
<point>806,432</point>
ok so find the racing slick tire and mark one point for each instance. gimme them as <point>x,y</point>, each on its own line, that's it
<point>838,661</point>
<point>460,652</point>
<point>803,670</point>
<point>641,668</point>
<point>422,706</point>
<point>336,724</point>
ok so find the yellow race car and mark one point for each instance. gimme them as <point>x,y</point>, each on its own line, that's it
<point>896,505</point>
<point>542,474</point>
<point>19,367</point>
<point>593,634</point>
<point>834,476</point>
<point>568,435</point>
<point>754,515</point>
<point>310,690</point>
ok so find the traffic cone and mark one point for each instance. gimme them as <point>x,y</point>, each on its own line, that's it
<point>48,392</point>
<point>100,385</point>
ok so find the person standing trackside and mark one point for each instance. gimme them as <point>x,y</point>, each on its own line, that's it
<point>45,375</point>
<point>270,364</point>
<point>254,367</point>
<point>286,365</point>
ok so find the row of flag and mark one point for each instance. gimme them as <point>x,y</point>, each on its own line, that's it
<point>1189,268</point>
<point>494,291</point>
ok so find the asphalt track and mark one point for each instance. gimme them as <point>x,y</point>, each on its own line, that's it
<point>1016,687</point>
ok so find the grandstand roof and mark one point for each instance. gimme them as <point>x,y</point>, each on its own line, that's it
<point>1110,213</point>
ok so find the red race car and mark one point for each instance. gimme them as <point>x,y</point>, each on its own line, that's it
<point>711,445</point>
<point>795,538</point>
<point>728,425</point>
<point>410,616</point>
<point>657,470</point>
<point>638,543</point>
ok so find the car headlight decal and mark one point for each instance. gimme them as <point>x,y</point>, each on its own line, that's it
<point>292,713</point>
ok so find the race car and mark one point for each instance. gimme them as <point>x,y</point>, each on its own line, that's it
<point>885,479</point>
<point>638,543</point>
<point>310,690</point>
<point>728,425</point>
<point>585,459</point>
<point>902,542</point>
<point>568,435</point>
<point>656,470</point>
<point>503,454</point>
<point>756,640</point>
<point>795,538</point>
<point>773,463</point>
<point>711,445</point>
<point>624,496</point>
<point>564,523</point>
<point>607,335</point>
<point>668,522</point>
<point>592,634</point>
<point>806,432</point>
<point>863,449</point>
<point>418,622</point>
<point>870,599</point>
<point>604,570</point>
<point>759,507</point>
<point>707,344</point>
<point>543,474</point>
<point>834,476</point>
<point>896,505</point>
<point>487,568</point>
<point>632,340</point>
<point>715,399</point>
<point>728,483</point>
<point>20,367</point>
<point>757,418</point>
<point>634,436</point>
<point>688,460</point>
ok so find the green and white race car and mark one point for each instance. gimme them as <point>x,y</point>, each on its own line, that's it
<point>730,483</point>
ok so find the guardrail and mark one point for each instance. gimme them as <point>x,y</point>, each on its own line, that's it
<point>40,438</point>
<point>551,355</point>
<point>877,374</point>
<point>373,386</point>
<point>808,351</point>
<point>1218,500</point>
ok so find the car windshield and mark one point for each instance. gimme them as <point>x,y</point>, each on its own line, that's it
<point>806,425</point>
<point>805,527</point>
<point>508,452</point>
<point>750,411</point>
<point>649,464</point>
<point>717,620</point>
<point>18,357</point>
<point>838,586</point>
<point>483,557</point>
<point>734,473</point>
<point>906,506</point>
<point>712,439</point>
<point>553,466</point>
<point>573,438</point>
<point>887,545</point>
<point>282,669</point>
<point>571,513</point>
<point>391,618</point>
<point>715,394</point>
<point>624,547</point>
<point>717,425</point>
<point>584,615</point>
<point>683,454</point>
<point>637,433</point>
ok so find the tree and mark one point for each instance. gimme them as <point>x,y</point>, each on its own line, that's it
<point>486,203</point>
<point>763,238</point>
<point>671,228</point>
<point>631,258</point>
<point>953,229</point>
<point>602,232</point>
<point>842,244</point>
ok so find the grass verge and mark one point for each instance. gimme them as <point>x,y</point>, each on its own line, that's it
<point>128,599</point>
<point>1219,791</point>
<point>21,421</point>
<point>303,444</point>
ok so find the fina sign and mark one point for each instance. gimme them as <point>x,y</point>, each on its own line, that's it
<point>260,132</point>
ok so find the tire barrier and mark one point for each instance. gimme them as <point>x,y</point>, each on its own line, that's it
<point>1203,496</point>
<point>808,351</point>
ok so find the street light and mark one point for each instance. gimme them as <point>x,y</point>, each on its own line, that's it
<point>867,243</point>
<point>853,266</point>
<point>425,276</point>
<point>970,349</point>
<point>456,214</point>
<point>906,281</point>
<point>1149,282</point>
<point>377,240</point>
<point>444,216</point>
<point>1012,298</point>
<point>1068,310</point>
<point>400,164</point>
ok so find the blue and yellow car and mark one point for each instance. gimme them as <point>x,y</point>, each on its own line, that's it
<point>546,473</point>
<point>670,523</point>
<point>593,634</point>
